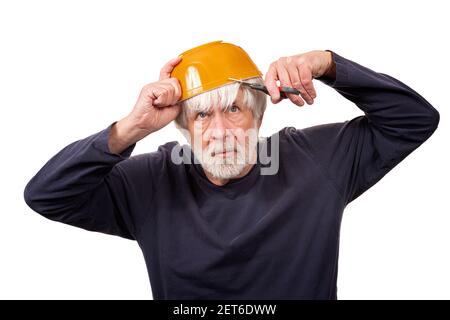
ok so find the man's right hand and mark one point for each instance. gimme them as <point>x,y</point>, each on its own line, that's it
<point>155,108</point>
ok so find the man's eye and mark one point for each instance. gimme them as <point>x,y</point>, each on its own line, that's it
<point>201,115</point>
<point>234,109</point>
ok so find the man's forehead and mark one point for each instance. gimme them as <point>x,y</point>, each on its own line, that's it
<point>217,104</point>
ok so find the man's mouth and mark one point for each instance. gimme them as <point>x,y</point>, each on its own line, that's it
<point>224,153</point>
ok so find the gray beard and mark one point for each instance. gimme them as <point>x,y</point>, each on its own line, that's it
<point>222,167</point>
<point>226,167</point>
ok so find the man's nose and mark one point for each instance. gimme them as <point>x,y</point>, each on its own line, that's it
<point>218,126</point>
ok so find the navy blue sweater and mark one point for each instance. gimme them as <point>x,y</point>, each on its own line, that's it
<point>259,236</point>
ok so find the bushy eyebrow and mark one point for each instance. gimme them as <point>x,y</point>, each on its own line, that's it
<point>223,96</point>
<point>224,109</point>
<point>196,109</point>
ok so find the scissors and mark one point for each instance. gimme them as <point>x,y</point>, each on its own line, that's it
<point>260,87</point>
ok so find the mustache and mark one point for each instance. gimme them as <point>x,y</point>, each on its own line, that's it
<point>221,147</point>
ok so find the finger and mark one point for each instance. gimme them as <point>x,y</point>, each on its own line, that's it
<point>168,67</point>
<point>303,92</point>
<point>306,80</point>
<point>296,83</point>
<point>166,95</point>
<point>177,88</point>
<point>285,81</point>
<point>270,80</point>
<point>174,91</point>
<point>161,95</point>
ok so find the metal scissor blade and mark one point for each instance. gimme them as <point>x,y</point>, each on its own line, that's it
<point>242,81</point>
<point>283,90</point>
<point>255,86</point>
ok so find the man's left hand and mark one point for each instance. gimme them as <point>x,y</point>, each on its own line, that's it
<point>298,72</point>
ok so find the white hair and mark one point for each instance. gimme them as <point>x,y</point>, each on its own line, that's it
<point>224,96</point>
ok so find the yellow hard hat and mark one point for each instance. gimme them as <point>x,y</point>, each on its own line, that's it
<point>210,66</point>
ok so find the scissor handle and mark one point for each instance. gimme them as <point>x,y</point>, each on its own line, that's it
<point>289,90</point>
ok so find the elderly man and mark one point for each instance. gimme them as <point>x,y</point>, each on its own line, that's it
<point>217,227</point>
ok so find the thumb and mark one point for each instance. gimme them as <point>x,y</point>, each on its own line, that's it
<point>168,67</point>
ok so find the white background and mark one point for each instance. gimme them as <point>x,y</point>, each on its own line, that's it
<point>70,68</point>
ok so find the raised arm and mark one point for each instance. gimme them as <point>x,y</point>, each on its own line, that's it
<point>93,184</point>
<point>357,153</point>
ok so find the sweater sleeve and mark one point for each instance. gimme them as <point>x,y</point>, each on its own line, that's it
<point>357,153</point>
<point>87,186</point>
